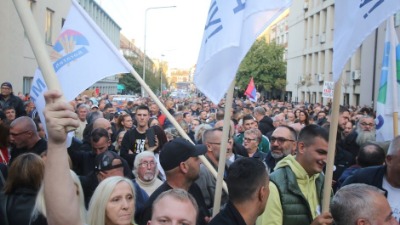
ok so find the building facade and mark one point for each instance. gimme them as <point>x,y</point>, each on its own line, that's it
<point>17,60</point>
<point>310,52</point>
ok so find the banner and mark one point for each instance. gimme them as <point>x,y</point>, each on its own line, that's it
<point>231,29</point>
<point>388,101</point>
<point>251,91</point>
<point>328,89</point>
<point>81,56</point>
<point>354,21</point>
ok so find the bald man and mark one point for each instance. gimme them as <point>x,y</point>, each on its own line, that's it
<point>24,138</point>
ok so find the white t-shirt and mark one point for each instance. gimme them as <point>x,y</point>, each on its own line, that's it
<point>393,197</point>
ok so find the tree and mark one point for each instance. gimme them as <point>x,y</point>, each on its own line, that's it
<point>264,62</point>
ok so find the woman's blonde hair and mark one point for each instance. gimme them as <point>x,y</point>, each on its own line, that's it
<point>100,198</point>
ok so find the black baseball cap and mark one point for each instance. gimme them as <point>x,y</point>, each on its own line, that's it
<point>177,151</point>
<point>103,161</point>
<point>6,84</point>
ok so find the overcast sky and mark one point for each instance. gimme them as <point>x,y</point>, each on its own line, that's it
<point>173,32</point>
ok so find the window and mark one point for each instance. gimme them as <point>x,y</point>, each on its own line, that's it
<point>27,84</point>
<point>397,19</point>
<point>62,22</point>
<point>49,26</point>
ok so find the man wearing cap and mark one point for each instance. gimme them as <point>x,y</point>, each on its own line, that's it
<point>179,159</point>
<point>7,98</point>
<point>110,164</point>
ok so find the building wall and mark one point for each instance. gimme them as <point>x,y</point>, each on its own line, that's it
<point>17,60</point>
<point>310,52</point>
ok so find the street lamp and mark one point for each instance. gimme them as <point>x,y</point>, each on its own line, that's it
<point>144,42</point>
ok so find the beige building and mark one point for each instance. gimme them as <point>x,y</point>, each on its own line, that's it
<point>17,60</point>
<point>310,51</point>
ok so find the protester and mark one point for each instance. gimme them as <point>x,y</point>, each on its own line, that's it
<point>24,138</point>
<point>297,183</point>
<point>361,204</point>
<point>145,170</point>
<point>175,206</point>
<point>20,190</point>
<point>7,99</point>
<point>247,182</point>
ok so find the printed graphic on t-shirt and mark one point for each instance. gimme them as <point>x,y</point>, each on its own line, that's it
<point>139,145</point>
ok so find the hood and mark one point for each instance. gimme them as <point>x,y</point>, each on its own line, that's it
<point>297,169</point>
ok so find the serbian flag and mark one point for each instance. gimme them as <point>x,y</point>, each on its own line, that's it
<point>251,91</point>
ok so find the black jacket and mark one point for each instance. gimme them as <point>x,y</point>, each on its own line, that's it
<point>15,102</point>
<point>370,175</point>
<point>38,148</point>
<point>17,207</point>
<point>265,125</point>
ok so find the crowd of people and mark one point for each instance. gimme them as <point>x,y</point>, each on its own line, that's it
<point>129,165</point>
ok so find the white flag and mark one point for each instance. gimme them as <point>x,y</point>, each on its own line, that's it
<point>231,29</point>
<point>81,56</point>
<point>354,21</point>
<point>388,101</point>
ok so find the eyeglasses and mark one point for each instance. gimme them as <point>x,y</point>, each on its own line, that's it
<point>280,140</point>
<point>146,164</point>
<point>368,124</point>
<point>17,134</point>
<point>249,139</point>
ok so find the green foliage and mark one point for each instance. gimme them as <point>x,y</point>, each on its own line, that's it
<point>264,62</point>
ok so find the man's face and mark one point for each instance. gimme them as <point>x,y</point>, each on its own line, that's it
<point>194,124</point>
<point>82,113</point>
<point>393,164</point>
<point>348,129</point>
<point>203,115</point>
<point>206,107</point>
<point>105,124</point>
<point>291,117</point>
<point>343,119</point>
<point>147,168</point>
<point>367,124</point>
<point>194,168</point>
<point>282,143</point>
<point>100,146</point>
<point>154,109</point>
<point>313,157</point>
<point>10,114</point>
<point>214,145</point>
<point>248,124</point>
<point>5,91</point>
<point>172,211</point>
<point>321,115</point>
<point>279,120</point>
<point>19,136</point>
<point>382,213</point>
<point>142,117</point>
<point>188,118</point>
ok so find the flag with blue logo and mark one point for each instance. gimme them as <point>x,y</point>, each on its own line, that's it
<point>388,96</point>
<point>354,21</point>
<point>251,91</point>
<point>231,29</point>
<point>81,56</point>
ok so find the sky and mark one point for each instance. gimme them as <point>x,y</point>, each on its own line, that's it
<point>173,34</point>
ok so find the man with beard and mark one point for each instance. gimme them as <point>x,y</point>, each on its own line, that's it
<point>365,132</point>
<point>283,143</point>
<point>180,161</point>
<point>145,170</point>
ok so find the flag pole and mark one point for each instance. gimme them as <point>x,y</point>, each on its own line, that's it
<point>394,77</point>
<point>222,153</point>
<point>38,47</point>
<point>174,122</point>
<point>331,146</point>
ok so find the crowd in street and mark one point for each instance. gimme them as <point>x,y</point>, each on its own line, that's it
<point>130,165</point>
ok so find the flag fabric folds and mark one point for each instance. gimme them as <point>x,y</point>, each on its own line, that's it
<point>251,91</point>
<point>81,56</point>
<point>354,21</point>
<point>388,101</point>
<point>231,29</point>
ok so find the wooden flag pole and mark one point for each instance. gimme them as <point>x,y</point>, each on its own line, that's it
<point>222,152</point>
<point>394,81</point>
<point>331,147</point>
<point>174,122</point>
<point>38,47</point>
